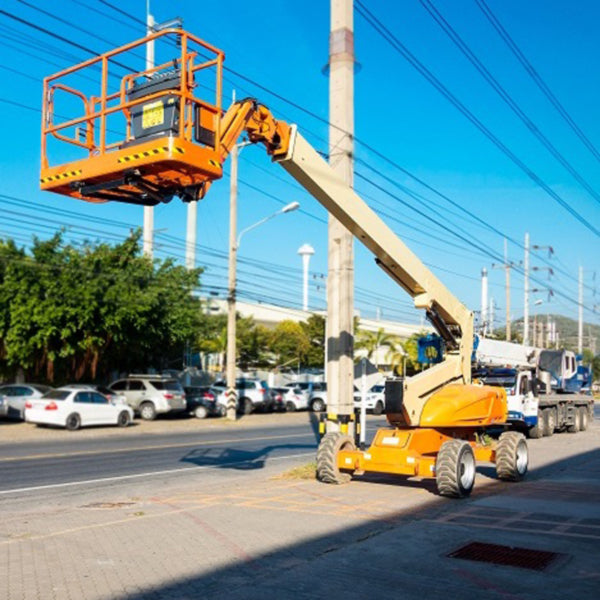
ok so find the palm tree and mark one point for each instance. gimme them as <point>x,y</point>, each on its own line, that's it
<point>371,341</point>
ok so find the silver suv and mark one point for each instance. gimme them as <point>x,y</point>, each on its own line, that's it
<point>253,395</point>
<point>151,395</point>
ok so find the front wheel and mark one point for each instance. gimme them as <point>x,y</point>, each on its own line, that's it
<point>378,409</point>
<point>455,469</point>
<point>537,431</point>
<point>512,456</point>
<point>73,422</point>
<point>201,412</point>
<point>318,405</point>
<point>329,448</point>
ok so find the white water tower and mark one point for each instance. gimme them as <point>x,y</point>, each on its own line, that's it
<point>305,251</point>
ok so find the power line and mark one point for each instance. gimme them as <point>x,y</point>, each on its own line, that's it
<point>389,37</point>
<point>501,91</point>
<point>514,48</point>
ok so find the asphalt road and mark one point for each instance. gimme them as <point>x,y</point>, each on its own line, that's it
<point>34,466</point>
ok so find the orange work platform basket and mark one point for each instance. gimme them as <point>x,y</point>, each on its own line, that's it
<point>143,135</point>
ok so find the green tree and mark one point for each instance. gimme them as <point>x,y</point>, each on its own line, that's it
<point>314,328</point>
<point>74,312</point>
<point>289,342</point>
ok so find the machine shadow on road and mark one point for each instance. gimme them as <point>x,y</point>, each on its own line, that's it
<point>401,539</point>
<point>243,460</point>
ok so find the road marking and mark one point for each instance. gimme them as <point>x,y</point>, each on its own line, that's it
<point>154,447</point>
<point>147,474</point>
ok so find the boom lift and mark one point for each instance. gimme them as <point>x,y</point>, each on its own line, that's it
<point>175,144</point>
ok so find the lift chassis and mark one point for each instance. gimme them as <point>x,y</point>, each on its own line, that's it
<point>175,143</point>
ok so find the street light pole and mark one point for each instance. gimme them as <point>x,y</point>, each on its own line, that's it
<point>234,244</point>
<point>231,394</point>
<point>148,246</point>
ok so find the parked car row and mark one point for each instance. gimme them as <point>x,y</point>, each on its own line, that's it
<point>148,396</point>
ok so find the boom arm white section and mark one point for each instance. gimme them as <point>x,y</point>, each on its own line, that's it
<point>450,317</point>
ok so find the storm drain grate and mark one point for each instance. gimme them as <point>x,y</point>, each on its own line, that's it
<point>525,558</point>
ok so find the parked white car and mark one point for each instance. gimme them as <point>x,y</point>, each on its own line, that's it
<point>292,399</point>
<point>374,400</point>
<point>318,398</point>
<point>73,408</point>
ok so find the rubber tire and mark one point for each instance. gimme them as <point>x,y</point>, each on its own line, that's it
<point>290,406</point>
<point>584,418</point>
<point>201,412</point>
<point>549,421</point>
<point>537,431</point>
<point>512,456</point>
<point>318,405</point>
<point>246,406</point>
<point>450,469</point>
<point>577,425</point>
<point>73,422</point>
<point>123,420</point>
<point>378,408</point>
<point>147,411</point>
<point>329,448</point>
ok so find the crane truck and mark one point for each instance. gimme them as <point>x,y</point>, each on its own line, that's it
<point>172,142</point>
<point>546,388</point>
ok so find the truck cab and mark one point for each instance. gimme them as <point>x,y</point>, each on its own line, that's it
<point>520,393</point>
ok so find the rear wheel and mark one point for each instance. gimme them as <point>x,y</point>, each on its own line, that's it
<point>318,405</point>
<point>290,406</point>
<point>512,456</point>
<point>537,431</point>
<point>549,421</point>
<point>73,422</point>
<point>378,408</point>
<point>147,411</point>
<point>576,425</point>
<point>584,417</point>
<point>246,406</point>
<point>123,419</point>
<point>329,448</point>
<point>455,469</point>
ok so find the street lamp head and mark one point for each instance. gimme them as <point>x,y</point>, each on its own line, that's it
<point>306,249</point>
<point>290,207</point>
<point>538,302</point>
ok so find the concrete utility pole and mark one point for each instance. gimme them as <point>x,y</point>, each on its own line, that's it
<point>148,244</point>
<point>484,302</point>
<point>340,280</point>
<point>492,316</point>
<point>580,328</point>
<point>526,293</point>
<point>507,266</point>
<point>305,251</point>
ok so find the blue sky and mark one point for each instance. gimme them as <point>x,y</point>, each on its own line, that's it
<point>283,46</point>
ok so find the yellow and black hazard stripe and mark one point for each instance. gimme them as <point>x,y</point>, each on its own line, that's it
<point>60,176</point>
<point>147,153</point>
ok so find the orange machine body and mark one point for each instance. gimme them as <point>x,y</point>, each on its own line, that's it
<point>454,412</point>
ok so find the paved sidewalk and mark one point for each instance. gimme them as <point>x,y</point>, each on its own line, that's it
<point>261,537</point>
